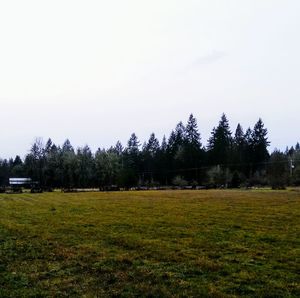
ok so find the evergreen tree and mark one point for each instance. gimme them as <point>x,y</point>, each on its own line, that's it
<point>248,144</point>
<point>131,163</point>
<point>172,143</point>
<point>295,167</point>
<point>238,155</point>
<point>34,162</point>
<point>69,168</point>
<point>133,145</point>
<point>107,166</point>
<point>259,144</point>
<point>248,137</point>
<point>149,159</point>
<point>85,164</point>
<point>164,144</point>
<point>17,167</point>
<point>239,144</point>
<point>192,152</point>
<point>152,146</point>
<point>162,162</point>
<point>118,148</point>
<point>68,165</point>
<point>67,147</point>
<point>4,172</point>
<point>289,151</point>
<point>192,136</point>
<point>53,165</point>
<point>278,170</point>
<point>48,147</point>
<point>175,149</point>
<point>18,161</point>
<point>179,134</point>
<point>219,144</point>
<point>239,137</point>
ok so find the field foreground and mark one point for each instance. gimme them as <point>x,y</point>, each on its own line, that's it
<point>153,244</point>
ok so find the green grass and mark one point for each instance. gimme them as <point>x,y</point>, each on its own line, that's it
<point>153,244</point>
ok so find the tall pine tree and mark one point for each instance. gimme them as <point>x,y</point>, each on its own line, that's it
<point>192,135</point>
<point>259,144</point>
<point>220,143</point>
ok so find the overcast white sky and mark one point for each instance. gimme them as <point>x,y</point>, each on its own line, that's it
<point>95,71</point>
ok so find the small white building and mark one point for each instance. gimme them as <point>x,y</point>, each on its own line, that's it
<point>18,182</point>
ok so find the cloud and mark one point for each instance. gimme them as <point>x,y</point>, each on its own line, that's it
<point>206,59</point>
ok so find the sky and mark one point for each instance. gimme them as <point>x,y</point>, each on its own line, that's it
<point>96,71</point>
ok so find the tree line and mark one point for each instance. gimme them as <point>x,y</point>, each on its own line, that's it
<point>228,160</point>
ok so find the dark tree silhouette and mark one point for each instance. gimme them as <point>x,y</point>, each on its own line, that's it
<point>227,161</point>
<point>220,143</point>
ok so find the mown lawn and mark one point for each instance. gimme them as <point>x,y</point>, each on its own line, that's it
<point>150,244</point>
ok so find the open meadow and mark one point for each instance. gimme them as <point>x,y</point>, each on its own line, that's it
<point>216,243</point>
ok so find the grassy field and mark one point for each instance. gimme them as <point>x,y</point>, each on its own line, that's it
<point>154,244</point>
